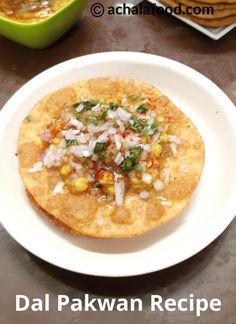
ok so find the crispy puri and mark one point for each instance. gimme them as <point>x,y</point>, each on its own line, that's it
<point>218,14</point>
<point>220,17</point>
<point>97,216</point>
<point>217,6</point>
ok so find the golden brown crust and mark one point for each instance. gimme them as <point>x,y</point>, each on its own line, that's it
<point>220,18</point>
<point>217,6</point>
<point>84,214</point>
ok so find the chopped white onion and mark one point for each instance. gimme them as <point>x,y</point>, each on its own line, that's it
<point>173,148</point>
<point>119,158</point>
<point>158,185</point>
<point>144,194</point>
<point>119,187</point>
<point>82,138</point>
<point>76,123</point>
<point>37,167</point>
<point>146,178</point>
<point>96,129</point>
<point>80,107</point>
<point>132,141</point>
<point>58,188</point>
<point>111,114</point>
<point>46,136</point>
<point>165,175</point>
<point>70,134</point>
<point>90,178</point>
<point>121,125</point>
<point>123,115</point>
<point>94,157</point>
<point>118,142</point>
<point>112,131</point>
<point>97,107</point>
<point>52,157</point>
<point>166,203</point>
<point>147,147</point>
<point>103,137</point>
<point>76,166</point>
<point>81,150</point>
<point>174,139</point>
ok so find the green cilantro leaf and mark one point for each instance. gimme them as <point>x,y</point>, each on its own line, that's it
<point>142,108</point>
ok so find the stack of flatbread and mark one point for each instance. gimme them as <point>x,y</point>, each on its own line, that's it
<point>224,11</point>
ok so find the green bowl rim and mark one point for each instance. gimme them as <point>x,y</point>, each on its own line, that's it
<point>41,22</point>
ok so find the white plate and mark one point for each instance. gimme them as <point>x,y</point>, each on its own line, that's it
<point>212,207</point>
<point>212,32</point>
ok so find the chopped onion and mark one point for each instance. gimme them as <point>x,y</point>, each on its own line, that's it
<point>82,138</point>
<point>166,203</point>
<point>123,115</point>
<point>146,178</point>
<point>81,150</point>
<point>112,131</point>
<point>58,188</point>
<point>76,123</point>
<point>46,136</point>
<point>173,148</point>
<point>52,157</point>
<point>111,114</point>
<point>118,142</point>
<point>132,141</point>
<point>76,166</point>
<point>94,157</point>
<point>118,159</point>
<point>96,129</point>
<point>165,175</point>
<point>97,107</point>
<point>144,194</point>
<point>158,185</point>
<point>70,134</point>
<point>174,139</point>
<point>90,178</point>
<point>103,137</point>
<point>37,167</point>
<point>80,107</point>
<point>119,187</point>
<point>121,125</point>
<point>147,147</point>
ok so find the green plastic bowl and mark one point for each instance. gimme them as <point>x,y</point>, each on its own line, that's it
<point>45,32</point>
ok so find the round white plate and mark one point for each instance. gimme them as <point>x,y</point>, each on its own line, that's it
<point>212,206</point>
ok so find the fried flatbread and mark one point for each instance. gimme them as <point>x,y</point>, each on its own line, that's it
<point>220,17</point>
<point>85,213</point>
<point>216,6</point>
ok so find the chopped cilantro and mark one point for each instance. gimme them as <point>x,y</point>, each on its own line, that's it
<point>113,106</point>
<point>135,152</point>
<point>130,162</point>
<point>135,124</point>
<point>28,119</point>
<point>138,167</point>
<point>99,147</point>
<point>104,114</point>
<point>142,108</point>
<point>71,142</point>
<point>127,165</point>
<point>88,105</point>
<point>154,127</point>
<point>96,185</point>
